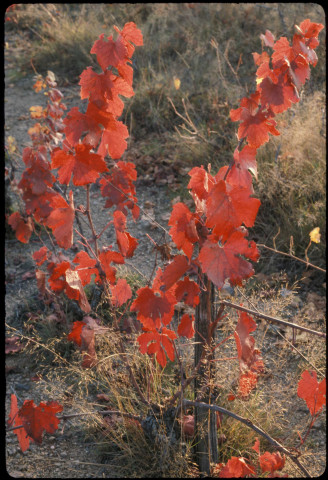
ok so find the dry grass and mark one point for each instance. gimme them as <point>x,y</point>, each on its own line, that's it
<point>121,443</point>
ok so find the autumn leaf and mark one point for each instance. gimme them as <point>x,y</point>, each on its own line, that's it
<point>153,342</point>
<point>173,271</point>
<point>15,421</point>
<point>40,256</point>
<point>271,462</point>
<point>183,231</point>
<point>313,392</point>
<point>109,52</point>
<point>236,467</point>
<point>61,220</point>
<point>121,292</point>
<point>74,289</point>
<point>75,333</point>
<point>37,419</point>
<point>187,291</point>
<point>185,328</point>
<point>83,166</point>
<point>126,243</point>
<point>230,206</point>
<point>315,235</point>
<point>22,228</point>
<point>222,261</point>
<point>86,268</point>
<point>106,257</point>
<point>151,307</point>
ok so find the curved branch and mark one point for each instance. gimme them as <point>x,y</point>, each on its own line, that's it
<point>248,423</point>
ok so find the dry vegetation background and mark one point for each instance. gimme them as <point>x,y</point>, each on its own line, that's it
<point>208,47</point>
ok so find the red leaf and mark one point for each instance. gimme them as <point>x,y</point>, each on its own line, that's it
<point>61,220</point>
<point>268,38</point>
<point>278,95</point>
<point>121,292</point>
<point>152,342</point>
<point>84,166</point>
<point>313,392</point>
<point>187,291</point>
<point>270,462</point>
<point>15,421</point>
<point>236,467</point>
<point>173,271</point>
<point>109,52</point>
<point>75,333</point>
<point>86,267</point>
<point>22,229</point>
<point>151,307</point>
<point>126,243</point>
<point>37,419</point>
<point>40,256</point>
<point>106,257</point>
<point>256,124</point>
<point>183,231</point>
<point>200,182</point>
<point>229,206</point>
<point>185,328</point>
<point>223,262</point>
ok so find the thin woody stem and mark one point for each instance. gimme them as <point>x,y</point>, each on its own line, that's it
<point>272,319</point>
<point>308,264</point>
<point>88,213</point>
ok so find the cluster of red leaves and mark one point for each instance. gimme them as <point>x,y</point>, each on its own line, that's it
<point>277,84</point>
<point>33,420</point>
<point>86,139</point>
<point>237,467</point>
<point>250,360</point>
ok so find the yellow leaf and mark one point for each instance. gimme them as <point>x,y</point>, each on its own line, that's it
<point>37,112</point>
<point>11,147</point>
<point>315,235</point>
<point>177,83</point>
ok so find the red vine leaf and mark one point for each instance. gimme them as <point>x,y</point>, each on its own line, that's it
<point>187,291</point>
<point>83,166</point>
<point>36,419</point>
<point>75,333</point>
<point>153,342</point>
<point>22,228</point>
<point>185,328</point>
<point>173,271</point>
<point>61,220</point>
<point>86,268</point>
<point>222,261</point>
<point>271,462</point>
<point>183,231</point>
<point>14,420</point>
<point>151,307</point>
<point>236,467</point>
<point>126,243</point>
<point>40,256</point>
<point>74,289</point>
<point>106,257</point>
<point>109,52</point>
<point>313,392</point>
<point>121,292</point>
